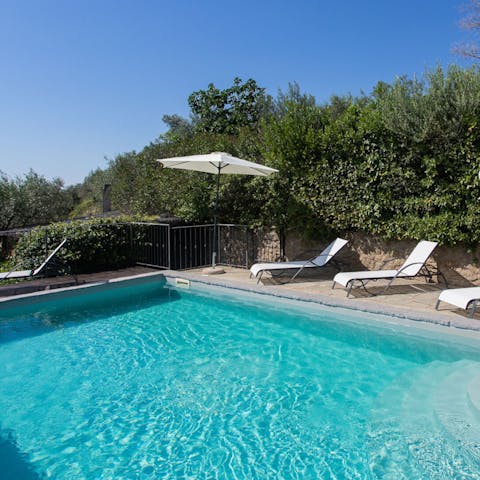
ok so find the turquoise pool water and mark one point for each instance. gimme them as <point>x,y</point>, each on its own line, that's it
<point>150,382</point>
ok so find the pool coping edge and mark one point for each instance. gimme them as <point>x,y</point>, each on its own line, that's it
<point>351,304</point>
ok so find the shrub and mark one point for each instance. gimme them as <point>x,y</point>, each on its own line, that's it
<point>92,245</point>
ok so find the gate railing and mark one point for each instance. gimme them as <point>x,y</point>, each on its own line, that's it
<point>190,246</point>
<point>150,243</point>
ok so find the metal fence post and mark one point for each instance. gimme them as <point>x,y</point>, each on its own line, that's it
<point>132,253</point>
<point>246,246</point>
<point>169,246</point>
<point>219,242</point>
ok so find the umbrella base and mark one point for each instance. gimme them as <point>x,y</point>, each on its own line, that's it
<point>212,271</point>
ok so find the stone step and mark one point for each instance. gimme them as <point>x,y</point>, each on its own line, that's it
<point>474,395</point>
<point>410,423</point>
<point>456,412</point>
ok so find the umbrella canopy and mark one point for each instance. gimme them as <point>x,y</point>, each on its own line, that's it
<point>217,163</point>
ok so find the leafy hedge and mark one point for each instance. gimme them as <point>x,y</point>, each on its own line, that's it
<point>92,245</point>
<point>401,162</point>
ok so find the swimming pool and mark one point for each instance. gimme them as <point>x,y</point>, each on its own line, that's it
<point>151,381</point>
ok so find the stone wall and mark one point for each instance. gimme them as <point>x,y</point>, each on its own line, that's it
<point>244,247</point>
<point>459,264</point>
<point>266,245</point>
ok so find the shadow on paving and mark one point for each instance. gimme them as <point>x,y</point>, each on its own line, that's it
<point>394,289</point>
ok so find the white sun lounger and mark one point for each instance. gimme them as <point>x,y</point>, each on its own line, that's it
<point>31,273</point>
<point>461,297</point>
<point>258,269</point>
<point>413,266</point>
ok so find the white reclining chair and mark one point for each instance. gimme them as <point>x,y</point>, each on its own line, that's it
<point>258,269</point>
<point>35,272</point>
<point>461,297</point>
<point>413,266</point>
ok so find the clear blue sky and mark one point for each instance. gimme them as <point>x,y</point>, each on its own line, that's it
<point>81,80</point>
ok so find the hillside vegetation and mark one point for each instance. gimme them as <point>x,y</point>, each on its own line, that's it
<point>401,162</point>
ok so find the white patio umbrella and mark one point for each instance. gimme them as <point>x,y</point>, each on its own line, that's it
<point>217,163</point>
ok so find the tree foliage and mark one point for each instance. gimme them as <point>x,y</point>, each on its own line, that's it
<point>89,193</point>
<point>226,111</point>
<point>402,162</point>
<point>33,200</point>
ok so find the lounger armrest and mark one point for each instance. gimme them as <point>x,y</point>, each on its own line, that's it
<point>306,262</point>
<point>321,255</point>
<point>311,260</point>
<point>17,266</point>
<point>399,271</point>
<point>387,261</point>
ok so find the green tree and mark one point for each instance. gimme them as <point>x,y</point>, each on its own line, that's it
<point>178,127</point>
<point>226,111</point>
<point>33,200</point>
<point>8,201</point>
<point>292,144</point>
<point>402,162</point>
<point>88,195</point>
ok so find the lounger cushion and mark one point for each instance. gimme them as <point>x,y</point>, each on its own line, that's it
<point>16,274</point>
<point>344,277</point>
<point>321,260</point>
<point>460,297</point>
<point>258,267</point>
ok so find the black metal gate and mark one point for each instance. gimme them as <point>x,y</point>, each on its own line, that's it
<point>151,244</point>
<point>191,246</point>
<point>187,247</point>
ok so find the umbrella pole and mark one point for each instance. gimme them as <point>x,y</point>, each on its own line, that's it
<point>215,223</point>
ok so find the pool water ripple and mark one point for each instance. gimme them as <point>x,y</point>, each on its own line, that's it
<point>181,384</point>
